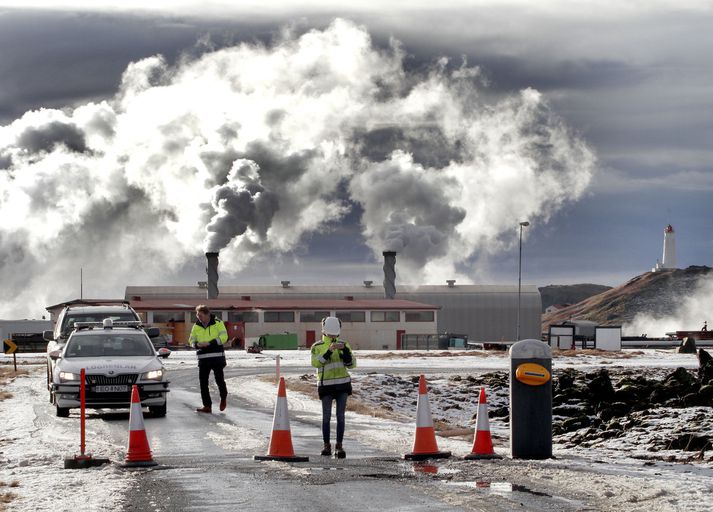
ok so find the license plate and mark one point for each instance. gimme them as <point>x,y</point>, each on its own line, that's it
<point>111,389</point>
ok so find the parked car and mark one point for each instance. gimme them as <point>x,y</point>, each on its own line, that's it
<point>84,313</point>
<point>114,356</point>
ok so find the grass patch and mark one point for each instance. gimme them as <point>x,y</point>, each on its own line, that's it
<point>425,353</point>
<point>6,375</point>
<point>7,497</point>
<point>596,352</point>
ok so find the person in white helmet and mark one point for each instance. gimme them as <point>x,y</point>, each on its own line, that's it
<point>333,358</point>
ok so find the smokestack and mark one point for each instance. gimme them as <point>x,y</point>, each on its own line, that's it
<point>212,271</point>
<point>389,274</point>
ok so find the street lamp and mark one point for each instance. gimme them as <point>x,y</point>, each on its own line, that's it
<point>519,280</point>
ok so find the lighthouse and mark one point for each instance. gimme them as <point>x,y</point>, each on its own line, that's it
<point>669,250</point>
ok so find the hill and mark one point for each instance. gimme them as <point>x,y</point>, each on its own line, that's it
<point>655,293</point>
<point>569,294</point>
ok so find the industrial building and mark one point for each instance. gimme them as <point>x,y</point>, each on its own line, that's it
<point>480,312</point>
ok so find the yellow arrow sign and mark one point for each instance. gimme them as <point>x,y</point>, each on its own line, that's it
<point>9,346</point>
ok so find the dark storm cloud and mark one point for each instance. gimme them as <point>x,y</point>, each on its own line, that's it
<point>63,58</point>
<point>49,136</point>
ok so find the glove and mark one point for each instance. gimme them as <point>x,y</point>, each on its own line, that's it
<point>327,355</point>
<point>214,342</point>
<point>346,356</point>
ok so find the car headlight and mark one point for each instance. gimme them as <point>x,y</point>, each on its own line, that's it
<point>152,375</point>
<point>68,377</point>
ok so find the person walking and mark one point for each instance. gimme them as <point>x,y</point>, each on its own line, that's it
<point>208,335</point>
<point>333,357</point>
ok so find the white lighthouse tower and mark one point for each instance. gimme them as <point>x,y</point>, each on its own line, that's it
<point>669,250</point>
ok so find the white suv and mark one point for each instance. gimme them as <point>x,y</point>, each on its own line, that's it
<point>115,356</point>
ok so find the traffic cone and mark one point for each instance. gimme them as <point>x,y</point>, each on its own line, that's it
<point>424,444</point>
<point>139,452</point>
<point>482,443</point>
<point>281,438</point>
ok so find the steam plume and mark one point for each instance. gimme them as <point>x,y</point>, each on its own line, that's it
<point>246,150</point>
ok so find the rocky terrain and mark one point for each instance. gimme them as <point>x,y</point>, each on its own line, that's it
<point>569,294</point>
<point>653,293</point>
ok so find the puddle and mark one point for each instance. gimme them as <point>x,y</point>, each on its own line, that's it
<point>432,469</point>
<point>499,487</point>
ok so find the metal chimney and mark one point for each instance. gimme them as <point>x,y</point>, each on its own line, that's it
<point>389,274</point>
<point>212,271</point>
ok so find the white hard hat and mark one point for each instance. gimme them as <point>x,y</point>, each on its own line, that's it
<point>331,326</point>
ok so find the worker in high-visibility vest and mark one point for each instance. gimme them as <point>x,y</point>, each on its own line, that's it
<point>208,336</point>
<point>333,357</point>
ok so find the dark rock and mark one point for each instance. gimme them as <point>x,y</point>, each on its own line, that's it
<point>689,442</point>
<point>601,388</point>
<point>567,410</point>
<point>608,434</point>
<point>627,394</point>
<point>572,424</point>
<point>500,412</point>
<point>679,376</point>
<point>706,394</point>
<point>617,409</point>
<point>687,346</point>
<point>692,400</point>
<point>705,368</point>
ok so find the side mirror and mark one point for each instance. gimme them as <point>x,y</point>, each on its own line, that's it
<point>48,335</point>
<point>152,332</point>
<point>163,352</point>
<point>55,354</point>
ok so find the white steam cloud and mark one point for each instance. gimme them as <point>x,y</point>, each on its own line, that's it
<point>249,149</point>
<point>688,315</point>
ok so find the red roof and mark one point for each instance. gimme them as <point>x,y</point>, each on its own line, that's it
<point>281,304</point>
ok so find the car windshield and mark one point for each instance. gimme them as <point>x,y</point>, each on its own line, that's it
<point>69,320</point>
<point>109,345</point>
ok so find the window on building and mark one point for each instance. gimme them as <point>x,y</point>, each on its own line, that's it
<point>163,317</point>
<point>352,316</point>
<point>385,316</point>
<point>279,316</point>
<point>419,316</point>
<point>249,317</point>
<point>313,316</point>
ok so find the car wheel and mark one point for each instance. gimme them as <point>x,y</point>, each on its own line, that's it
<point>49,385</point>
<point>158,411</point>
<point>62,412</point>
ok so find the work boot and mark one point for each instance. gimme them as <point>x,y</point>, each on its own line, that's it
<point>205,408</point>
<point>327,450</point>
<point>339,452</point>
<point>223,403</point>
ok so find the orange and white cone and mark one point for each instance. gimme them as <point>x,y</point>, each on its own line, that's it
<point>424,444</point>
<point>482,442</point>
<point>139,452</point>
<point>281,438</point>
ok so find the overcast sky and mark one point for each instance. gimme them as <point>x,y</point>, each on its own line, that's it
<point>303,142</point>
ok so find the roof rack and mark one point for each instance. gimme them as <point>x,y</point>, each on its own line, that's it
<point>91,325</point>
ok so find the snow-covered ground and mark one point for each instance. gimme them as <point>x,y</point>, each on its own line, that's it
<point>32,453</point>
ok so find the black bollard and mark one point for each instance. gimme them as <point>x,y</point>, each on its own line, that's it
<point>530,400</point>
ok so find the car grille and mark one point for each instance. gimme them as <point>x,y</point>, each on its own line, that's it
<point>102,380</point>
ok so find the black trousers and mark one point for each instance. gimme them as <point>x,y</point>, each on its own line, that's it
<point>216,364</point>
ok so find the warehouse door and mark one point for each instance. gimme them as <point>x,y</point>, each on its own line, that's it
<point>309,336</point>
<point>399,334</point>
